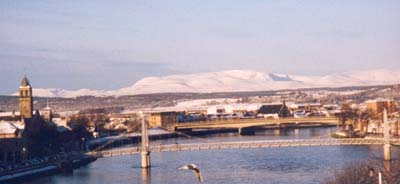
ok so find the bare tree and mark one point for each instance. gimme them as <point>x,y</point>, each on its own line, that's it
<point>366,172</point>
<point>355,173</point>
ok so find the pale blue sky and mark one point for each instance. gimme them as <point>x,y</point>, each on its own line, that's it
<point>103,44</point>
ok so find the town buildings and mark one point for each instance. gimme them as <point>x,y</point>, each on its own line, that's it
<point>378,105</point>
<point>23,133</point>
<point>12,146</point>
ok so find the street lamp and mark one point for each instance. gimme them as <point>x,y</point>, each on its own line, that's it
<point>23,153</point>
<point>83,144</point>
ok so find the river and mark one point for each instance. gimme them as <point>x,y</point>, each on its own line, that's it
<point>257,165</point>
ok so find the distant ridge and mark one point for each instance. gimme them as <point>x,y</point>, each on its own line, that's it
<point>234,81</point>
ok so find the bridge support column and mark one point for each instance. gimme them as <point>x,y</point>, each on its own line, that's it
<point>386,152</point>
<point>145,144</point>
<point>145,159</point>
<point>246,131</point>
<point>386,135</point>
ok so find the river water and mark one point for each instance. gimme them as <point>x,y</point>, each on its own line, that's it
<point>257,165</point>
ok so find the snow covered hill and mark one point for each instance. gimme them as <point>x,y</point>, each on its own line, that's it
<point>234,81</point>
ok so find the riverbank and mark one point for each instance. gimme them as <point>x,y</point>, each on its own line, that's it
<point>54,165</point>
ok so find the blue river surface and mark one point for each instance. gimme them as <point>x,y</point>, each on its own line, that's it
<point>254,165</point>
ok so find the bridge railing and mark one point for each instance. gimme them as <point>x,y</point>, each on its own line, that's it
<point>241,144</point>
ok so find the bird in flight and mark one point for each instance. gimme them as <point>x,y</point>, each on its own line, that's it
<point>195,169</point>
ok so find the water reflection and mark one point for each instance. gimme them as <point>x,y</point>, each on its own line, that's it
<point>146,176</point>
<point>296,132</point>
<point>277,132</point>
<point>314,132</point>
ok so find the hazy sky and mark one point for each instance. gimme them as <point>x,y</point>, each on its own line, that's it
<point>104,44</point>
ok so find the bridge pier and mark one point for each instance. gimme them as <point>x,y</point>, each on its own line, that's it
<point>145,159</point>
<point>387,152</point>
<point>246,131</point>
<point>145,144</point>
<point>386,135</point>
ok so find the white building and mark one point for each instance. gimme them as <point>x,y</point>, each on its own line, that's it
<point>220,109</point>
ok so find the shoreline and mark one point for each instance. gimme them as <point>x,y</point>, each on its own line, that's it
<point>47,169</point>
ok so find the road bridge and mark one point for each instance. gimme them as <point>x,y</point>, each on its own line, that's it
<point>243,125</point>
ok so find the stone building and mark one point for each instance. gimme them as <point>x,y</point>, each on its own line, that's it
<point>377,106</point>
<point>11,142</point>
<point>163,119</point>
<point>274,110</point>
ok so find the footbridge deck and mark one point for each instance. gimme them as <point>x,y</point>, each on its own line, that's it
<point>241,145</point>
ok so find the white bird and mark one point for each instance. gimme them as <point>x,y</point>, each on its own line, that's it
<point>195,169</point>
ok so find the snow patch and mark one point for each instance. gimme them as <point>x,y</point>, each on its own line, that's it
<point>234,81</point>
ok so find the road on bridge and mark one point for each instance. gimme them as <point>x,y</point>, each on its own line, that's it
<point>255,122</point>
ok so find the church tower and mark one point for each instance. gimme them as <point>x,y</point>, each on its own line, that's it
<point>25,99</point>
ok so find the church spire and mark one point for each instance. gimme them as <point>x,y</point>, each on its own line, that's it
<point>25,81</point>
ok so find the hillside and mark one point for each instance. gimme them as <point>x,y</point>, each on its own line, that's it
<point>234,81</point>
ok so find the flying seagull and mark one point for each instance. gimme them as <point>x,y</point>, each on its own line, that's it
<point>194,168</point>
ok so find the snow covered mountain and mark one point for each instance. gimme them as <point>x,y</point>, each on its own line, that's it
<point>234,81</point>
